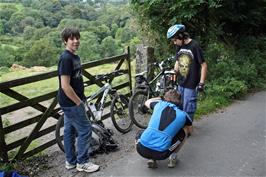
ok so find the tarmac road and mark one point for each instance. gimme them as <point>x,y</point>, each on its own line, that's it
<point>228,143</point>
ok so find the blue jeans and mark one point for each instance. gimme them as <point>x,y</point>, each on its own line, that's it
<point>189,100</point>
<point>76,124</point>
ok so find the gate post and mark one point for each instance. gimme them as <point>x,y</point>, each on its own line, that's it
<point>144,57</point>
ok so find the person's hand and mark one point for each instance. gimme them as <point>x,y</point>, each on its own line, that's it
<point>200,87</point>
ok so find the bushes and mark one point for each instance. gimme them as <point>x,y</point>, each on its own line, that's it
<point>233,71</point>
<point>227,87</point>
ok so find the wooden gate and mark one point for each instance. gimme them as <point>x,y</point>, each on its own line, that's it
<point>47,107</point>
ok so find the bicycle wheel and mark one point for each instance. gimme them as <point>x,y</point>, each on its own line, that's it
<point>136,103</point>
<point>59,132</point>
<point>119,114</point>
<point>95,142</point>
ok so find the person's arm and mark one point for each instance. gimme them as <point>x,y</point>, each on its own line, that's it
<point>203,72</point>
<point>68,90</point>
<point>151,100</point>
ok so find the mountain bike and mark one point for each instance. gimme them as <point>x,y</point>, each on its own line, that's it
<point>118,113</point>
<point>164,79</point>
<point>119,103</point>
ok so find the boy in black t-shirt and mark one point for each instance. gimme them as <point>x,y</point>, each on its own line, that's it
<point>190,67</point>
<point>70,98</point>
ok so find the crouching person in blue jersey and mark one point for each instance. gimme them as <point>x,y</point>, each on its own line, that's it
<point>166,131</point>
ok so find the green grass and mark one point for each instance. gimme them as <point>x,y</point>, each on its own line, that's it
<point>210,104</point>
<point>45,86</point>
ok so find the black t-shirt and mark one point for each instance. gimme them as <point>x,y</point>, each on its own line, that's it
<point>190,58</point>
<point>70,65</point>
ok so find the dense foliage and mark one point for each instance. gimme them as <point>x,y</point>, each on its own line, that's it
<point>231,33</point>
<point>30,29</point>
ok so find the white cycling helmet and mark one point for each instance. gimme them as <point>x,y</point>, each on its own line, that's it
<point>177,28</point>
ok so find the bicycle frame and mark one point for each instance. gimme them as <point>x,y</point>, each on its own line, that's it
<point>148,84</point>
<point>105,90</point>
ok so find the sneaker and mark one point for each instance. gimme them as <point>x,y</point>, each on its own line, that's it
<point>152,163</point>
<point>69,166</point>
<point>88,167</point>
<point>172,161</point>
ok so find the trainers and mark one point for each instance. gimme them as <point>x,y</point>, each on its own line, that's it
<point>152,163</point>
<point>69,166</point>
<point>172,161</point>
<point>88,167</point>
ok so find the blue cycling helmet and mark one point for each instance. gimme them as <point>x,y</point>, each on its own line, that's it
<point>178,28</point>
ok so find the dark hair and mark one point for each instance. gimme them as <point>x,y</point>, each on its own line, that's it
<point>69,33</point>
<point>181,35</point>
<point>172,96</point>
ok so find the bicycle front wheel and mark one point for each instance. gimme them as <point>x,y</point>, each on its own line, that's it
<point>119,114</point>
<point>136,114</point>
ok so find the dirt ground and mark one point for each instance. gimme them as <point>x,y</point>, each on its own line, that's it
<point>52,162</point>
<point>55,160</point>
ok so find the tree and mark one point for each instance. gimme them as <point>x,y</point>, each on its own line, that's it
<point>7,59</point>
<point>7,10</point>
<point>40,33</point>
<point>103,31</point>
<point>2,28</point>
<point>81,24</point>
<point>14,22</point>
<point>89,47</point>
<point>233,19</point>
<point>28,32</point>
<point>42,53</point>
<point>110,47</point>
<point>73,11</point>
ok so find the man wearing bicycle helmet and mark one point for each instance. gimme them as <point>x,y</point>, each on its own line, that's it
<point>190,67</point>
<point>166,131</point>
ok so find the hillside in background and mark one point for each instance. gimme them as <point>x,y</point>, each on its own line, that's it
<point>30,30</point>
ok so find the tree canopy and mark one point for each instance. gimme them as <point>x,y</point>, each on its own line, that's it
<point>33,28</point>
<point>231,33</point>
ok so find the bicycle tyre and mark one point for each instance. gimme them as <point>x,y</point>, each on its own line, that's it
<point>95,140</point>
<point>136,101</point>
<point>58,138</point>
<point>118,105</point>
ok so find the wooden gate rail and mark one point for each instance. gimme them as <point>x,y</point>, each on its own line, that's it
<point>21,145</point>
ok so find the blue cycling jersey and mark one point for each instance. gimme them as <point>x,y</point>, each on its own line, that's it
<point>166,121</point>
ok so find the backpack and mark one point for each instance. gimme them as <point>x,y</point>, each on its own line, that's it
<point>10,174</point>
<point>102,140</point>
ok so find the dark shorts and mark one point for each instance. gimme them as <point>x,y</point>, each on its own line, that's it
<point>158,155</point>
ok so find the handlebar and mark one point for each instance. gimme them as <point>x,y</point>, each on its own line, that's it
<point>161,64</point>
<point>108,76</point>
